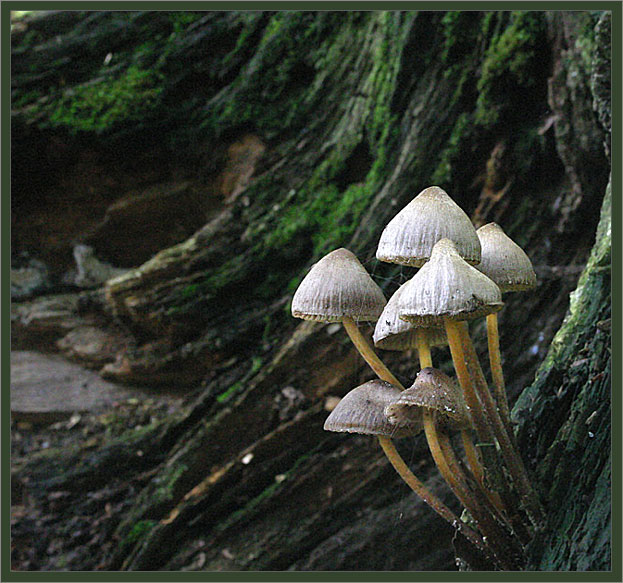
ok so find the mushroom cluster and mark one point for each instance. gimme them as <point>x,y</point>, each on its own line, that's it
<point>462,275</point>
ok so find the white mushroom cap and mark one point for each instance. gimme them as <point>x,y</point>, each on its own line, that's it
<point>447,287</point>
<point>392,333</point>
<point>336,287</point>
<point>504,261</point>
<point>362,410</point>
<point>432,391</point>
<point>432,215</point>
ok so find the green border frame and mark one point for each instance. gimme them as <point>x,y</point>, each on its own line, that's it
<point>5,302</point>
<point>317,5</point>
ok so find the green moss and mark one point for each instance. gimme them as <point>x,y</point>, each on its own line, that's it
<point>450,154</point>
<point>320,206</point>
<point>190,290</point>
<point>509,64</point>
<point>274,92</point>
<point>256,364</point>
<point>460,37</point>
<point>586,40</point>
<point>193,296</point>
<point>253,506</point>
<point>167,480</point>
<point>140,530</point>
<point>235,388</point>
<point>183,19</point>
<point>100,105</point>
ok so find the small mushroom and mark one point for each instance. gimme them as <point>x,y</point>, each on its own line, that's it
<point>339,289</point>
<point>393,333</point>
<point>503,261</point>
<point>435,392</point>
<point>408,239</point>
<point>362,410</point>
<point>437,401</point>
<point>447,287</point>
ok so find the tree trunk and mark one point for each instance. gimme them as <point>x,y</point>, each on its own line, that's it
<point>215,156</point>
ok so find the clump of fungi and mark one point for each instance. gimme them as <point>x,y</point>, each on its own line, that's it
<point>462,275</point>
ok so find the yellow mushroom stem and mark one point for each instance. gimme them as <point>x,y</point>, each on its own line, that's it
<point>453,479</point>
<point>505,550</point>
<point>426,360</point>
<point>423,349</point>
<point>512,459</point>
<point>481,424</point>
<point>435,503</point>
<point>475,466</point>
<point>379,367</point>
<point>497,374</point>
<point>479,419</point>
<point>364,348</point>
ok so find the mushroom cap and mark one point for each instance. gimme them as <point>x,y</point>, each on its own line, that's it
<point>432,391</point>
<point>336,287</point>
<point>432,215</point>
<point>504,261</point>
<point>392,333</point>
<point>362,410</point>
<point>447,287</point>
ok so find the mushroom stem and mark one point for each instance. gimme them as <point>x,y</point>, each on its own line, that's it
<point>423,349</point>
<point>489,520</point>
<point>512,459</point>
<point>441,461</point>
<point>470,451</point>
<point>449,468</point>
<point>418,487</point>
<point>481,425</point>
<point>454,481</point>
<point>495,360</point>
<point>476,467</point>
<point>472,456</point>
<point>492,462</point>
<point>361,344</point>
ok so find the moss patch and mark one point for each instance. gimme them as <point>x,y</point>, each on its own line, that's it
<point>510,66</point>
<point>101,105</point>
<point>140,530</point>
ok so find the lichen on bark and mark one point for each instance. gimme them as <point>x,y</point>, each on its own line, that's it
<point>565,428</point>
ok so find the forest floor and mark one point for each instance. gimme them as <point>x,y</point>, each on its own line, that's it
<point>55,404</point>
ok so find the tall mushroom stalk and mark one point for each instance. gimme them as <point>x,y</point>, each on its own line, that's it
<point>514,463</point>
<point>505,263</point>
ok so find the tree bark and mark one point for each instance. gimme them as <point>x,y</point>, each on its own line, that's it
<point>287,135</point>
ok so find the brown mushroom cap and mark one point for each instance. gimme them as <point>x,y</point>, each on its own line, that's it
<point>432,215</point>
<point>392,333</point>
<point>432,391</point>
<point>362,410</point>
<point>504,261</point>
<point>336,287</point>
<point>447,287</point>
